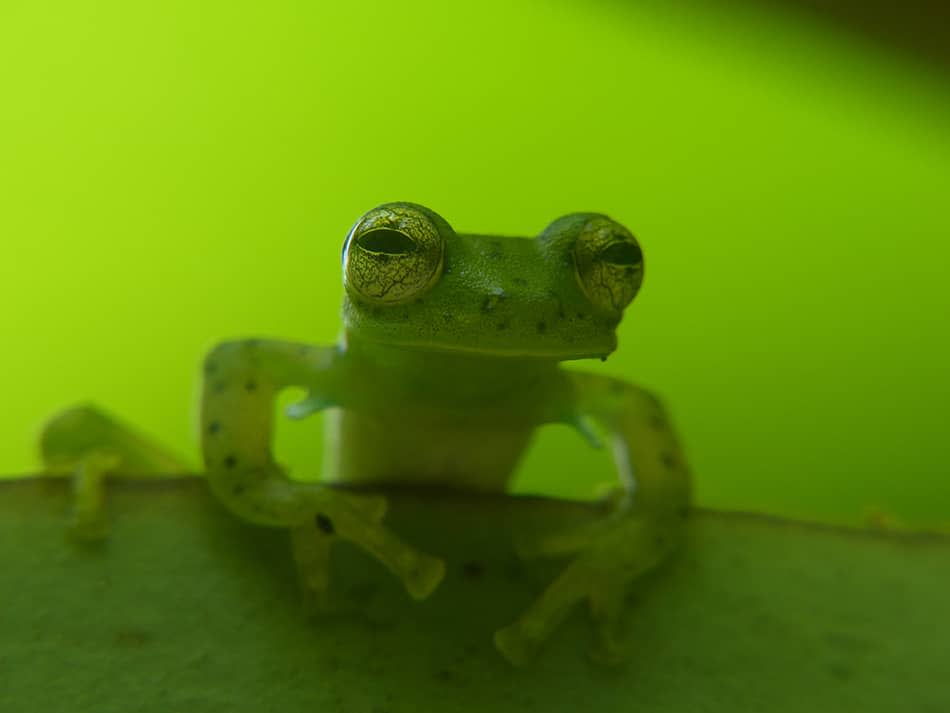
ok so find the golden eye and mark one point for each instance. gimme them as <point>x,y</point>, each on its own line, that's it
<point>393,254</point>
<point>609,264</point>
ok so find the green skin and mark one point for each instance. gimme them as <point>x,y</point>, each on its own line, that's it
<point>449,360</point>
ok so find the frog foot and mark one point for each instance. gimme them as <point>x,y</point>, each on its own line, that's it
<point>88,446</point>
<point>358,518</point>
<point>611,554</point>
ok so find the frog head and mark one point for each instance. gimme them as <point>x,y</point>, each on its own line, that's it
<point>411,281</point>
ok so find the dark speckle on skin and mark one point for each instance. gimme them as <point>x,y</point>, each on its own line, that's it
<point>667,459</point>
<point>325,524</point>
<point>473,569</point>
<point>581,315</point>
<point>214,427</point>
<point>443,675</point>
<point>230,461</point>
<point>542,327</point>
<point>210,367</point>
<point>502,325</point>
<point>220,387</point>
<point>250,385</point>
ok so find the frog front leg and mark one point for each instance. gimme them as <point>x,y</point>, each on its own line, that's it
<point>242,380</point>
<point>644,520</point>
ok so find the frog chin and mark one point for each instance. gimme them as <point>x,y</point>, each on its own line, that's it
<point>514,352</point>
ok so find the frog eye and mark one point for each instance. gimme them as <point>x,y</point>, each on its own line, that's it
<point>609,264</point>
<point>393,254</point>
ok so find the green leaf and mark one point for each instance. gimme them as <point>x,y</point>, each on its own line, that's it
<point>187,609</point>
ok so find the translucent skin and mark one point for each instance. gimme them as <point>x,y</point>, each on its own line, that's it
<point>449,359</point>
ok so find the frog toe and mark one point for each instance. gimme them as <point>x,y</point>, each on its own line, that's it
<point>607,600</point>
<point>88,531</point>
<point>423,576</point>
<point>518,645</point>
<point>608,649</point>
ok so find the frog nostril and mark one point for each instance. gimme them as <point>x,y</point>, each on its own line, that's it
<point>386,241</point>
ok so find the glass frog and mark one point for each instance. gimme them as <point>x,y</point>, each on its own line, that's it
<point>449,358</point>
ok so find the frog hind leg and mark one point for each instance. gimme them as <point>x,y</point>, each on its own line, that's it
<point>599,575</point>
<point>88,446</point>
<point>642,523</point>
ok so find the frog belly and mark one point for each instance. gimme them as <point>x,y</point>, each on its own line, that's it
<point>370,449</point>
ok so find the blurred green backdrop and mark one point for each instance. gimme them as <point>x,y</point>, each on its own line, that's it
<point>175,173</point>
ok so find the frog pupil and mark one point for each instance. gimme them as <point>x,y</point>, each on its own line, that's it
<point>386,241</point>
<point>623,254</point>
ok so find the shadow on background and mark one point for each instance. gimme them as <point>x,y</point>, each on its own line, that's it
<point>918,28</point>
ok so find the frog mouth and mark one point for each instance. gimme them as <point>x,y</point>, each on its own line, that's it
<point>555,354</point>
<point>493,351</point>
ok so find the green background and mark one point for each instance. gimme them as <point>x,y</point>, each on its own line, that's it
<point>175,173</point>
